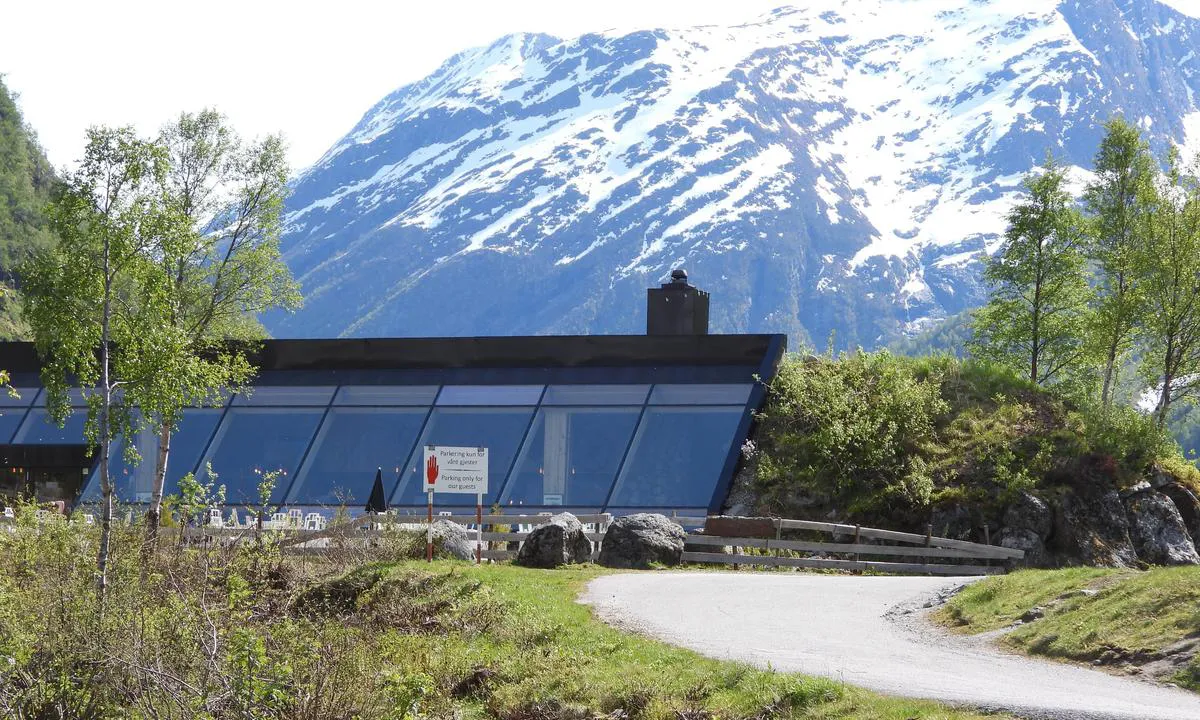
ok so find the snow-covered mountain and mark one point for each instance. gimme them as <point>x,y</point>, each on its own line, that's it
<point>839,167</point>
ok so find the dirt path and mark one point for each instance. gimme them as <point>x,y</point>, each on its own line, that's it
<point>869,632</point>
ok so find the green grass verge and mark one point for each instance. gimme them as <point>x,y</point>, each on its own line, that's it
<point>546,656</point>
<point>1122,612</point>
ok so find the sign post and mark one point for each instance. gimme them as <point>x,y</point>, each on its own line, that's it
<point>456,470</point>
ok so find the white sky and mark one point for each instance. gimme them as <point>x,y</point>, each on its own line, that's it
<point>307,69</point>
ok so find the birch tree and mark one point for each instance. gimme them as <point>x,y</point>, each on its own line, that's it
<point>82,295</point>
<point>217,273</point>
<point>1170,304</point>
<point>1117,202</point>
<point>1035,316</point>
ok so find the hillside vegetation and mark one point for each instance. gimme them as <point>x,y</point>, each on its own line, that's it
<point>26,179</point>
<point>901,442</point>
<point>220,633</point>
<point>1141,622</point>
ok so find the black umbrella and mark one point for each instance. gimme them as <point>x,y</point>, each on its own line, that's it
<point>378,502</point>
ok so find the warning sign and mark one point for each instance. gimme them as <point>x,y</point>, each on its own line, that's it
<point>456,469</point>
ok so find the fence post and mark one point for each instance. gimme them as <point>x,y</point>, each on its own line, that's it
<point>928,540</point>
<point>987,540</point>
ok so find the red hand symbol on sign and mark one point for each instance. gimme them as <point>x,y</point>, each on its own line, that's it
<point>431,470</point>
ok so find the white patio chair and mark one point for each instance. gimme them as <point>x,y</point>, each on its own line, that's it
<point>89,519</point>
<point>295,518</point>
<point>214,518</point>
<point>10,513</point>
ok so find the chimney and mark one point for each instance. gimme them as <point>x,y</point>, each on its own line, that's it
<point>676,308</point>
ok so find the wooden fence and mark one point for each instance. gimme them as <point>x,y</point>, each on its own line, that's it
<point>917,553</point>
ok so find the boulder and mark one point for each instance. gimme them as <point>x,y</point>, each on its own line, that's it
<point>1091,528</point>
<point>1158,532</point>
<point>1188,506</point>
<point>453,540</point>
<point>561,541</point>
<point>636,541</point>
<point>1027,540</point>
<point>1029,512</point>
<point>953,521</point>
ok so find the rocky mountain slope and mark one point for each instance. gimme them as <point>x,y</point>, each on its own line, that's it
<point>839,167</point>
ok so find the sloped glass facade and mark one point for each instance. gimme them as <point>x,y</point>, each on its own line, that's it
<point>588,424</point>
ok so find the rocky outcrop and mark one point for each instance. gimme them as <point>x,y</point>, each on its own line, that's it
<point>1157,530</point>
<point>561,541</point>
<point>1090,527</point>
<point>453,540</point>
<point>953,521</point>
<point>637,541</point>
<point>1027,524</point>
<point>1188,506</point>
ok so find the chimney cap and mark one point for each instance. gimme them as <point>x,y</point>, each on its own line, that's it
<point>679,275</point>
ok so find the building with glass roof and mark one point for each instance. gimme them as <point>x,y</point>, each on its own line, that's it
<point>615,424</point>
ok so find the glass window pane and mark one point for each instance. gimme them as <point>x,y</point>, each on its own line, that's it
<point>498,430</point>
<point>262,440</point>
<point>351,444</point>
<point>490,395</point>
<point>24,397</point>
<point>39,429</point>
<point>10,420</point>
<point>75,396</point>
<point>386,395</point>
<point>135,483</point>
<point>701,394</point>
<point>571,457</point>
<point>285,396</point>
<point>595,395</point>
<point>677,457</point>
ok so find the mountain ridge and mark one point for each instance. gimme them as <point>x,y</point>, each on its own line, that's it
<point>821,170</point>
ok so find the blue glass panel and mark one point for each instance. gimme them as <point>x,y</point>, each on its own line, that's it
<point>677,457</point>
<point>304,395</point>
<point>74,395</point>
<point>20,397</point>
<point>571,457</point>
<point>490,395</point>
<point>135,483</point>
<point>351,444</point>
<point>595,395</point>
<point>386,395</point>
<point>39,429</point>
<point>10,420</point>
<point>255,440</point>
<point>498,430</point>
<point>701,394</point>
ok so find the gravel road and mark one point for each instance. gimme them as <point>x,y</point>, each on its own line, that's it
<point>870,632</point>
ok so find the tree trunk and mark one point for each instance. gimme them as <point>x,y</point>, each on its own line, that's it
<point>154,513</point>
<point>1164,398</point>
<point>105,430</point>
<point>1109,366</point>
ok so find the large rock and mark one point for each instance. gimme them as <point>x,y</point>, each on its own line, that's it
<point>1188,506</point>
<point>454,540</point>
<point>1158,532</point>
<point>1029,512</point>
<point>636,541</point>
<point>1091,529</point>
<point>561,541</point>
<point>1024,539</point>
<point>953,521</point>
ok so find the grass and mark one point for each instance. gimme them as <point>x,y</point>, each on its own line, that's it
<point>1124,614</point>
<point>546,656</point>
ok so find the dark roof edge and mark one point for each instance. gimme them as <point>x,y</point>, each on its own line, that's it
<point>486,352</point>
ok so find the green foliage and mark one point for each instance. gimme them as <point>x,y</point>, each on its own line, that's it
<point>854,430</point>
<point>1118,202</point>
<point>1035,317</point>
<point>876,436</point>
<point>26,182</point>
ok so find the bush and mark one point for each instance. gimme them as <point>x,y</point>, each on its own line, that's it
<point>858,431</point>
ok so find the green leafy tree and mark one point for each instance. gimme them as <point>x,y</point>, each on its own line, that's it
<point>1035,316</point>
<point>1170,306</point>
<point>215,275</point>
<point>26,180</point>
<point>1117,202</point>
<point>82,295</point>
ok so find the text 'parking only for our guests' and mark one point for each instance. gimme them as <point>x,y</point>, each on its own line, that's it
<point>456,469</point>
